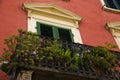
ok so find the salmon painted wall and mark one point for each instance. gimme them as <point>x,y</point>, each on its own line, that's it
<point>92,26</point>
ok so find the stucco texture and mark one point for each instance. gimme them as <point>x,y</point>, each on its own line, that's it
<point>92,26</point>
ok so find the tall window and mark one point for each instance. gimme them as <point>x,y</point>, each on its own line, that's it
<point>115,4</point>
<point>54,32</point>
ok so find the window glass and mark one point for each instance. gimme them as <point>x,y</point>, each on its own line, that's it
<point>46,30</point>
<point>55,32</point>
<point>64,34</point>
<point>115,4</point>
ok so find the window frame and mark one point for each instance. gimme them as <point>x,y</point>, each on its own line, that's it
<point>53,15</point>
<point>114,28</point>
<point>55,29</point>
<point>108,8</point>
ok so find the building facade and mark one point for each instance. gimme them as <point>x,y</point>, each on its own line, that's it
<point>86,22</point>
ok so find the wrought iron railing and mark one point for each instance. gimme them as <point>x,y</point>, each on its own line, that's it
<point>59,67</point>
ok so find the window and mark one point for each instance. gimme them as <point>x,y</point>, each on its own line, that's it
<point>115,4</point>
<point>111,5</point>
<point>54,32</point>
<point>53,21</point>
<point>114,27</point>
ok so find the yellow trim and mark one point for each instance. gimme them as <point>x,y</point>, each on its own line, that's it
<point>111,10</point>
<point>114,28</point>
<point>43,7</point>
<point>53,15</point>
<point>114,25</point>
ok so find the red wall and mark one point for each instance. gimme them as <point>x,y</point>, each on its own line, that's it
<point>92,26</point>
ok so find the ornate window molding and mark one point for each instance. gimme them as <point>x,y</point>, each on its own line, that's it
<point>52,15</point>
<point>114,27</point>
<point>113,6</point>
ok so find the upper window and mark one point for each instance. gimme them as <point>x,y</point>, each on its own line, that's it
<point>111,5</point>
<point>115,4</point>
<point>53,21</point>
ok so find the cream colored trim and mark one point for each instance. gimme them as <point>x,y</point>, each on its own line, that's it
<point>117,39</point>
<point>54,21</point>
<point>52,15</point>
<point>114,27</point>
<point>75,31</point>
<point>102,2</point>
<point>41,7</point>
<point>109,9</point>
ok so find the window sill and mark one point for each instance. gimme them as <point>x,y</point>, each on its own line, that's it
<point>111,10</point>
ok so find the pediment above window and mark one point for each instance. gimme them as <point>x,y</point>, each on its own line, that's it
<point>51,9</point>
<point>54,16</point>
<point>113,25</point>
<point>114,28</point>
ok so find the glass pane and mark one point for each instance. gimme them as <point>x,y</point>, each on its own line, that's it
<point>118,2</point>
<point>110,4</point>
<point>64,34</point>
<point>46,30</point>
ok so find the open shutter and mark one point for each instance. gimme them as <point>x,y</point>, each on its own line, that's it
<point>38,28</point>
<point>55,33</point>
<point>71,35</point>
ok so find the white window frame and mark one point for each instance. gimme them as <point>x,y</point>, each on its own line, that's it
<point>114,27</point>
<point>109,9</point>
<point>62,18</point>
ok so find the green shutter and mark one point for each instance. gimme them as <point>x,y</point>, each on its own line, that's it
<point>38,28</point>
<point>71,35</point>
<point>55,32</point>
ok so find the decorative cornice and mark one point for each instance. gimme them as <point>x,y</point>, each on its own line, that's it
<point>113,25</point>
<point>44,7</point>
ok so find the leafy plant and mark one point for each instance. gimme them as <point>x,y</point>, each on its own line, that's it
<point>30,49</point>
<point>101,60</point>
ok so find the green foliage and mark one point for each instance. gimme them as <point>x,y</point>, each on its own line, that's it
<point>24,45</point>
<point>29,49</point>
<point>101,60</point>
<point>5,67</point>
<point>74,62</point>
<point>109,45</point>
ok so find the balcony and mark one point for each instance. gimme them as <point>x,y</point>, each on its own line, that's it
<point>57,59</point>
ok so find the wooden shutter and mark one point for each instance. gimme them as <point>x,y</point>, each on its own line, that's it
<point>38,28</point>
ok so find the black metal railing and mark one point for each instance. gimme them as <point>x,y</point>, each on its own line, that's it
<point>59,67</point>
